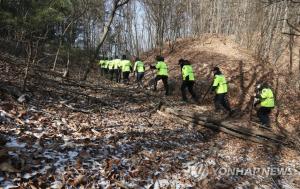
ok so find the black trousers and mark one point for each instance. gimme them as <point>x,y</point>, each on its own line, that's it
<point>190,86</point>
<point>139,76</point>
<point>102,71</point>
<point>117,73</point>
<point>105,70</point>
<point>164,79</point>
<point>263,114</point>
<point>222,100</point>
<point>126,77</point>
<point>120,75</point>
<point>111,73</point>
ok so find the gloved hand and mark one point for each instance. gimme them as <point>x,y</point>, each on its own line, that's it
<point>256,102</point>
<point>213,88</point>
<point>152,67</point>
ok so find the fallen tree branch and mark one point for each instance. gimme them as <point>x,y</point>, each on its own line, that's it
<point>218,128</point>
<point>76,109</point>
<point>5,114</point>
<point>253,134</point>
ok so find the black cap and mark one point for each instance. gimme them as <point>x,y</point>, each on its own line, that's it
<point>181,61</point>
<point>160,58</point>
<point>217,69</point>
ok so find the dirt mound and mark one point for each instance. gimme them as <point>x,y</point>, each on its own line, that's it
<point>238,65</point>
<point>242,70</point>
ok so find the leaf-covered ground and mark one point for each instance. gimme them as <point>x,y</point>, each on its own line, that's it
<point>110,136</point>
<point>99,134</point>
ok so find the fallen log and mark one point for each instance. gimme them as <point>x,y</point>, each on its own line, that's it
<point>217,128</point>
<point>254,131</point>
<point>254,135</point>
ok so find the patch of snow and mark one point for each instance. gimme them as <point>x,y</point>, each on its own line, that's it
<point>8,185</point>
<point>38,135</point>
<point>72,154</point>
<point>56,185</point>
<point>15,144</point>
<point>28,175</point>
<point>44,169</point>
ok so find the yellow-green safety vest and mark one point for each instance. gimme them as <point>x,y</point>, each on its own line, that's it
<point>110,65</point>
<point>102,63</point>
<point>187,70</point>
<point>267,98</point>
<point>221,84</point>
<point>126,65</point>
<point>116,63</point>
<point>162,68</point>
<point>106,64</point>
<point>139,67</point>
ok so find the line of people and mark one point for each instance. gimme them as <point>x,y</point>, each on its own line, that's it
<point>264,95</point>
<point>117,68</point>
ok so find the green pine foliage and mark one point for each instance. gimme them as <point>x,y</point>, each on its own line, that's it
<point>32,16</point>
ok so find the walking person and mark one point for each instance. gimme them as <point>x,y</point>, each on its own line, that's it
<point>126,69</point>
<point>265,98</point>
<point>161,74</point>
<point>188,79</point>
<point>116,67</point>
<point>102,65</point>
<point>110,66</point>
<point>220,88</point>
<point>139,70</point>
<point>105,67</point>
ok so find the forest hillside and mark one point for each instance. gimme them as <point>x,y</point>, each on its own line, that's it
<point>99,133</point>
<point>153,94</point>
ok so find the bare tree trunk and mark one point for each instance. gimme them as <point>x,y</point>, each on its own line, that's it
<point>276,100</point>
<point>28,52</point>
<point>116,4</point>
<point>291,44</point>
<point>30,60</point>
<point>56,56</point>
<point>299,62</point>
<point>66,73</point>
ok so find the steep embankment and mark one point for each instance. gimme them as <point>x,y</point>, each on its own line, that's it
<point>242,70</point>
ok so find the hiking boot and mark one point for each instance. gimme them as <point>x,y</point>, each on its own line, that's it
<point>231,113</point>
<point>184,100</point>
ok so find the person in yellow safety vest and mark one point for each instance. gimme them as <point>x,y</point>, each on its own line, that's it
<point>110,68</point>
<point>105,66</point>
<point>188,79</point>
<point>120,69</point>
<point>102,63</point>
<point>139,69</point>
<point>162,73</point>
<point>220,87</point>
<point>116,65</point>
<point>126,68</point>
<point>265,98</point>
